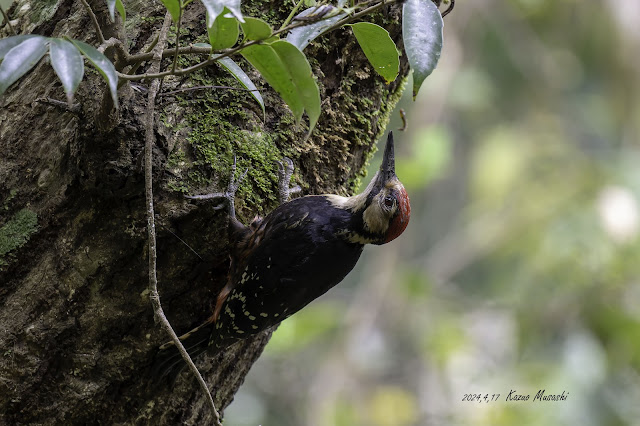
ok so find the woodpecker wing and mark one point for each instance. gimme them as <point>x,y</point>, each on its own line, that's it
<point>296,256</point>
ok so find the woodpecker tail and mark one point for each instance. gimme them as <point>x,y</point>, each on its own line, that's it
<point>169,362</point>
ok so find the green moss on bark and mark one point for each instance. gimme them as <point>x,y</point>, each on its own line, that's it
<point>15,233</point>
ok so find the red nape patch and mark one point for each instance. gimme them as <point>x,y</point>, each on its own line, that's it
<point>401,220</point>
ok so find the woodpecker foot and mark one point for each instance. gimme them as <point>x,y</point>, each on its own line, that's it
<point>285,170</point>
<point>228,197</point>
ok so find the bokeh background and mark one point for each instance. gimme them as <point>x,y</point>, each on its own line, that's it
<point>519,269</point>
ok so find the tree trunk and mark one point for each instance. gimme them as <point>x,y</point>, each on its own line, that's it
<point>78,335</point>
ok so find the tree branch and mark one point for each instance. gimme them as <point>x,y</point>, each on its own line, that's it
<point>151,230</point>
<point>7,21</point>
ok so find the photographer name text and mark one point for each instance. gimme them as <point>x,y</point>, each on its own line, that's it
<point>514,396</point>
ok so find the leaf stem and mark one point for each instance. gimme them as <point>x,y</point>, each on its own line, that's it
<point>292,14</point>
<point>94,20</point>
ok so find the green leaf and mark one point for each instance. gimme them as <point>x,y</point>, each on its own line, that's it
<point>223,33</point>
<point>202,45</point>
<point>287,70</point>
<point>6,44</point>
<point>265,59</point>
<point>173,6</point>
<point>302,76</point>
<point>256,29</point>
<point>103,65</point>
<point>300,37</point>
<point>215,8</point>
<point>20,59</point>
<point>235,70</point>
<point>379,49</point>
<point>68,65</point>
<point>113,5</point>
<point>121,10</point>
<point>422,34</point>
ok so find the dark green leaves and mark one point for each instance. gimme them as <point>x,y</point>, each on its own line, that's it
<point>223,33</point>
<point>68,65</point>
<point>422,34</point>
<point>21,53</point>
<point>256,29</point>
<point>235,70</point>
<point>173,6</point>
<point>379,49</point>
<point>113,5</point>
<point>287,70</point>
<point>25,53</point>
<point>103,65</point>
<point>6,44</point>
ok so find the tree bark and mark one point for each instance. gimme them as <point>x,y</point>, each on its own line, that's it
<point>78,336</point>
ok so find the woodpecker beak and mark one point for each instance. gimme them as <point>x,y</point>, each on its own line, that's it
<point>388,166</point>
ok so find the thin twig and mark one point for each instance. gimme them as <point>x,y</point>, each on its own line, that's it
<point>135,66</point>
<point>182,241</point>
<point>94,19</point>
<point>357,15</point>
<point>175,55</point>
<point>194,49</point>
<point>449,9</point>
<point>151,230</point>
<point>6,20</point>
<point>74,108</point>
<point>292,14</point>
<point>403,117</point>
<point>141,57</point>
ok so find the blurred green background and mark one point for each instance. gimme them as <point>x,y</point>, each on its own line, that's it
<point>519,269</point>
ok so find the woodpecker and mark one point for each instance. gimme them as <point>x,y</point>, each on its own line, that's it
<point>282,262</point>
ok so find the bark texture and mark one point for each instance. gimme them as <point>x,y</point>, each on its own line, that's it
<point>77,335</point>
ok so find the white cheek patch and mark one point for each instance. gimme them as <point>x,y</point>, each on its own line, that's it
<point>353,203</point>
<point>376,219</point>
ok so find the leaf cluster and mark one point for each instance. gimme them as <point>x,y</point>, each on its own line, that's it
<point>276,54</point>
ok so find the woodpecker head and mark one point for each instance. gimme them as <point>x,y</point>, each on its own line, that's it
<point>382,211</point>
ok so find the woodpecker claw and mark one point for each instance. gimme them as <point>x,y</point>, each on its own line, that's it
<point>229,195</point>
<point>284,177</point>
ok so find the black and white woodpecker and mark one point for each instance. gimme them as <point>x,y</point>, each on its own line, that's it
<point>282,262</point>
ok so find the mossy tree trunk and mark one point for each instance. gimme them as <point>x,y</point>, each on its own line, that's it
<point>77,334</point>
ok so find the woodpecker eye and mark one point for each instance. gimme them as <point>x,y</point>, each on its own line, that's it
<point>388,201</point>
